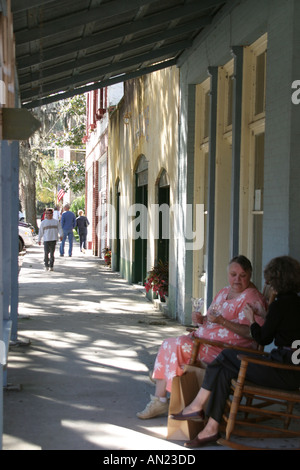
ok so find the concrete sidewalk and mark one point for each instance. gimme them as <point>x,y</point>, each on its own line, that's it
<point>84,376</point>
<point>93,339</point>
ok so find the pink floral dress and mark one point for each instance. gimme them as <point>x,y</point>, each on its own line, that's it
<point>174,353</point>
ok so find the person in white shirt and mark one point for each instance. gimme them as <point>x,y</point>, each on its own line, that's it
<point>56,213</point>
<point>50,230</point>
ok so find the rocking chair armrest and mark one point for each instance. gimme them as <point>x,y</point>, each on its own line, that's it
<point>266,362</point>
<point>222,345</point>
<point>198,341</point>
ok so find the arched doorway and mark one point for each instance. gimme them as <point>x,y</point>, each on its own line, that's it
<point>118,246</point>
<point>162,251</point>
<point>140,242</point>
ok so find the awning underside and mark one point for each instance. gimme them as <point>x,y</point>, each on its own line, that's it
<point>71,46</point>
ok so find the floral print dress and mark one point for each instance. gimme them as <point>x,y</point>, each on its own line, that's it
<point>174,353</point>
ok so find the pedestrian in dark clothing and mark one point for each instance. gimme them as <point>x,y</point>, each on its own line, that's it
<point>82,225</point>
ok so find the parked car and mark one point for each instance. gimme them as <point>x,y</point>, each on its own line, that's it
<point>25,236</point>
<point>27,224</point>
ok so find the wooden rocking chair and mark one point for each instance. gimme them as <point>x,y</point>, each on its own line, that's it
<point>188,392</point>
<point>266,412</point>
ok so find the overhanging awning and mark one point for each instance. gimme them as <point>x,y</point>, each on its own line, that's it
<point>66,47</point>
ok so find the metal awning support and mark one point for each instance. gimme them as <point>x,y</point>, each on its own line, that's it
<point>9,241</point>
<point>213,72</point>
<point>14,164</point>
<point>6,209</point>
<point>237,52</point>
<point>9,246</point>
<point>1,303</point>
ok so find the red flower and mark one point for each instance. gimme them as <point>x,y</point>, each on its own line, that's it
<point>158,279</point>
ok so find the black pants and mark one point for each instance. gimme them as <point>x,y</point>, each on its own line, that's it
<point>49,249</point>
<point>225,367</point>
<point>82,239</point>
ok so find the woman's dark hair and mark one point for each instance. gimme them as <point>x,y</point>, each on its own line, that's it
<point>283,274</point>
<point>242,261</point>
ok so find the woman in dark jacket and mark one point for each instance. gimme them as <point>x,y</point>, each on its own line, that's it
<point>282,326</point>
<point>82,225</point>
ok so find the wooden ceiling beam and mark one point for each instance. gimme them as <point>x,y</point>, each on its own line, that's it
<point>46,74</point>
<point>40,101</point>
<point>80,19</point>
<point>151,39</point>
<point>75,20</point>
<point>99,73</point>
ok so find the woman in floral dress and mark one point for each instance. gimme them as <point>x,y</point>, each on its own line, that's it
<point>225,321</point>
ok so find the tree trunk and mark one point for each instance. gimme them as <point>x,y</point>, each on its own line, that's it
<point>27,186</point>
<point>30,203</point>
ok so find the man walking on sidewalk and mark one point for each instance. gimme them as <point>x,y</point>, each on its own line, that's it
<point>68,222</point>
<point>49,230</point>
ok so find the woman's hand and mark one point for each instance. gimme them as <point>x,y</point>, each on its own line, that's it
<point>249,313</point>
<point>214,316</point>
<point>259,310</point>
<point>197,318</point>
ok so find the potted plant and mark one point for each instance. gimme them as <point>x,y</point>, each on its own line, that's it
<point>107,256</point>
<point>158,280</point>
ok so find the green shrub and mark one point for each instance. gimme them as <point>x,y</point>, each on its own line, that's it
<point>77,204</point>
